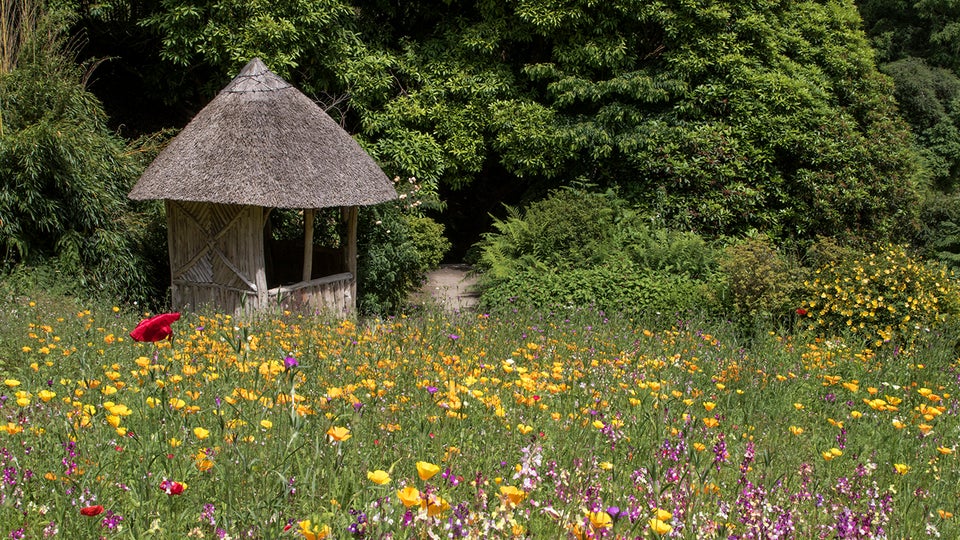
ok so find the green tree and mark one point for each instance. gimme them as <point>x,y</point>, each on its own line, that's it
<point>918,44</point>
<point>929,98</point>
<point>306,42</point>
<point>725,116</point>
<point>928,29</point>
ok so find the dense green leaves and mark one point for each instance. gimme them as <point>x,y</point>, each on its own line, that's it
<point>226,34</point>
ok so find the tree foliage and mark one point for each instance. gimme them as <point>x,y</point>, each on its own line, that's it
<point>723,116</point>
<point>918,44</point>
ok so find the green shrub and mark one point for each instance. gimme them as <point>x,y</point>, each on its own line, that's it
<point>615,287</point>
<point>388,266</point>
<point>885,295</point>
<point>666,250</point>
<point>396,249</point>
<point>827,251</point>
<point>428,239</point>
<point>760,279</point>
<point>568,229</point>
<point>939,235</point>
<point>582,248</point>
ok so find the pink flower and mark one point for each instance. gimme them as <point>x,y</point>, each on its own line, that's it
<point>155,328</point>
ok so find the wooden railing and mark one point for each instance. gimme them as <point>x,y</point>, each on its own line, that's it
<point>330,294</point>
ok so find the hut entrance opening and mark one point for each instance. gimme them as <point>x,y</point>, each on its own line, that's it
<point>285,237</point>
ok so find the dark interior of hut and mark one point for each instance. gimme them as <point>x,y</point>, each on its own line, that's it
<point>283,240</point>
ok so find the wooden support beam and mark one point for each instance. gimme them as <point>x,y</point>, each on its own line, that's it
<point>307,244</point>
<point>350,251</point>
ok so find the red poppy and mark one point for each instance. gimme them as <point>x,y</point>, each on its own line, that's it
<point>155,328</point>
<point>92,510</point>
<point>801,312</point>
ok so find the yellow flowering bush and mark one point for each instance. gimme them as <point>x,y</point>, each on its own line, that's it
<point>881,295</point>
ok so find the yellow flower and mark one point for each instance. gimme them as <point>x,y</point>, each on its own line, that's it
<point>796,430</point>
<point>409,496</point>
<point>120,410</point>
<point>944,450</point>
<point>426,470</point>
<point>201,433</point>
<point>832,453</point>
<point>512,494</point>
<point>46,395</point>
<point>600,520</point>
<point>436,505</point>
<point>659,527</point>
<point>203,461</point>
<point>709,405</point>
<point>605,465</point>
<point>711,422</point>
<point>663,515</point>
<point>339,433</point>
<point>266,424</point>
<point>378,477</point>
<point>313,532</point>
<point>901,468</point>
<point>944,514</point>
<point>11,383</point>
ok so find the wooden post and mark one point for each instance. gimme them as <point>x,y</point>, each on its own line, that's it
<point>350,252</point>
<point>254,224</point>
<point>307,244</point>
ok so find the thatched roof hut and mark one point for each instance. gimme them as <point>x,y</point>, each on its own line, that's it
<point>260,144</point>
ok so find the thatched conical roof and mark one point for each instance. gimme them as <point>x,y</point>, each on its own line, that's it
<point>262,142</point>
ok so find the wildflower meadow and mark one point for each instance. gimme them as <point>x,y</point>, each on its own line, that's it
<point>570,424</point>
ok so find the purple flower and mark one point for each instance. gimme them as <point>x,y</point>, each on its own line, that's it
<point>432,389</point>
<point>453,337</point>
<point>111,520</point>
<point>207,514</point>
<point>290,362</point>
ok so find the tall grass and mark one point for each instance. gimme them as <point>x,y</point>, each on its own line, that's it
<point>572,424</point>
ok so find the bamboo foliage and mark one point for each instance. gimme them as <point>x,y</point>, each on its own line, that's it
<point>18,25</point>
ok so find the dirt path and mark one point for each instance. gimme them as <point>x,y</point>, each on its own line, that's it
<point>450,287</point>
